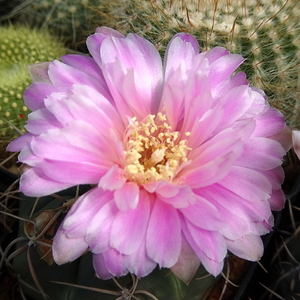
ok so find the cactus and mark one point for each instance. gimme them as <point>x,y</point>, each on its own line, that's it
<point>20,47</point>
<point>38,276</point>
<point>265,32</point>
<point>67,19</point>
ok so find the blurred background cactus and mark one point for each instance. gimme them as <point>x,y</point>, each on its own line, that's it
<point>67,19</point>
<point>20,47</point>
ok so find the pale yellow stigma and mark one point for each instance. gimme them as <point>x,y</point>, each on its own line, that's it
<point>153,151</point>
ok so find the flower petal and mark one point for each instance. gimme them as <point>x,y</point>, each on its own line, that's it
<point>83,211</point>
<point>187,264</point>
<point>65,249</point>
<point>100,268</point>
<point>127,197</point>
<point>132,69</point>
<point>129,227</point>
<point>139,263</point>
<point>113,179</point>
<point>99,228</point>
<point>248,247</point>
<point>35,183</point>
<point>163,242</point>
<point>203,214</point>
<point>115,262</point>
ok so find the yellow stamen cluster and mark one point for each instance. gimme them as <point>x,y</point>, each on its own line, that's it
<point>153,151</point>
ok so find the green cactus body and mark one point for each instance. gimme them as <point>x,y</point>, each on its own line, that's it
<point>20,47</point>
<point>265,32</point>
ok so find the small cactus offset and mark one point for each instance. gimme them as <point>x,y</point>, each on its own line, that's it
<point>20,47</point>
<point>265,32</point>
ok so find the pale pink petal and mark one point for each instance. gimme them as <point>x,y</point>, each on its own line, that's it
<point>100,268</point>
<point>113,179</point>
<point>127,197</point>
<point>183,198</point>
<point>210,172</point>
<point>129,227</point>
<point>78,219</point>
<point>115,262</point>
<point>64,76</point>
<point>20,143</point>
<point>252,185</point>
<point>99,228</point>
<point>65,250</point>
<point>94,41</point>
<point>86,64</point>
<point>236,104</point>
<point>277,200</point>
<point>197,102</point>
<point>249,247</point>
<point>222,64</point>
<point>132,66</point>
<point>36,93</point>
<point>212,265</point>
<point>234,81</point>
<point>163,242</point>
<point>259,149</point>
<point>180,53</point>
<point>187,264</point>
<point>212,243</point>
<point>180,57</point>
<point>39,72</point>
<point>139,263</point>
<point>203,214</point>
<point>35,183</point>
<point>151,187</point>
<point>269,123</point>
<point>41,121</point>
<point>284,138</point>
<point>247,209</point>
<point>73,173</point>
<point>172,99</point>
<point>202,129</point>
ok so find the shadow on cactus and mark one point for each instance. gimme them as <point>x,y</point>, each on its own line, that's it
<point>20,47</point>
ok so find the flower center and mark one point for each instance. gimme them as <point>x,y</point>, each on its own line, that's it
<point>153,151</point>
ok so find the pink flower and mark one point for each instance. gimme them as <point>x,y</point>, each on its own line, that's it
<point>184,158</point>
